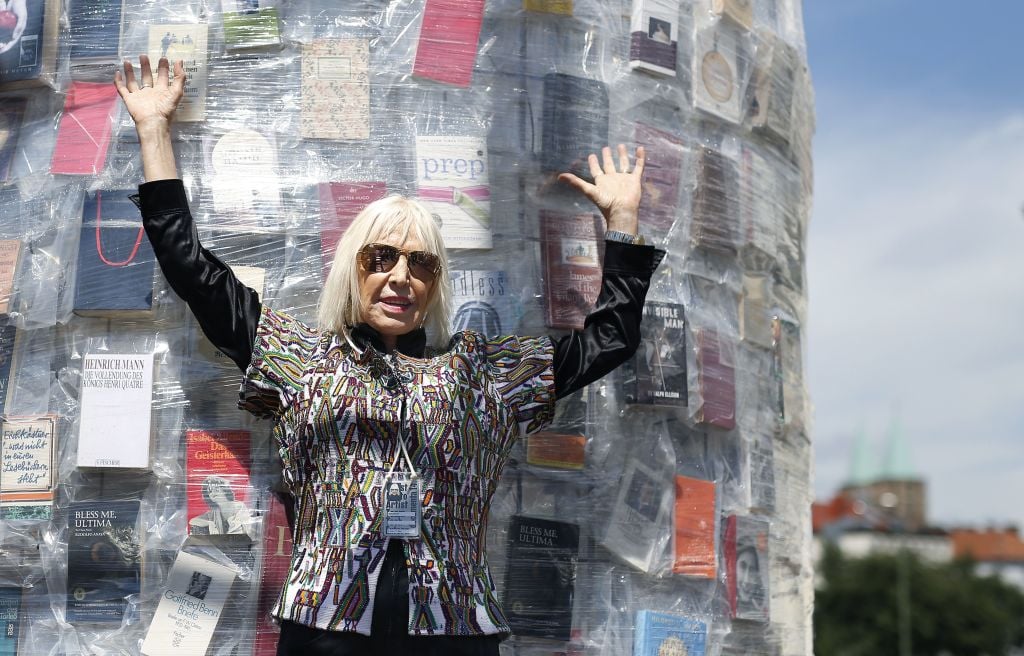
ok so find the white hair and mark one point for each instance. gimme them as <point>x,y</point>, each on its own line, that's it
<point>340,305</point>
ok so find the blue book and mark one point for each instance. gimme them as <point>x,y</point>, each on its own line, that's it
<point>27,60</point>
<point>116,262</point>
<point>665,633</point>
<point>95,30</point>
<point>575,123</point>
<point>10,620</point>
<point>104,560</point>
<point>11,112</point>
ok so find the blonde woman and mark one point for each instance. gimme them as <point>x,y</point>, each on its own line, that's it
<point>391,448</point>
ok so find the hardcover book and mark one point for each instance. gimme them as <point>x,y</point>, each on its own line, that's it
<point>484,302</point>
<point>27,466</point>
<point>115,410</point>
<point>755,319</point>
<point>277,556</point>
<point>219,497</point>
<point>340,203</point>
<point>557,7</point>
<point>662,169</point>
<point>640,528</point>
<point>116,263</point>
<point>656,375</point>
<point>31,59</point>
<point>715,218</point>
<point>10,619</point>
<point>654,31</point>
<point>185,41</point>
<point>452,179</point>
<point>336,89</point>
<point>250,24</point>
<point>449,35</point>
<point>244,179</point>
<point>746,567</point>
<point>717,380</point>
<point>190,607</point>
<point>696,528</point>
<point>666,634</point>
<point>572,267</point>
<point>716,76</point>
<point>104,560</point>
<point>96,29</point>
<point>757,213</point>
<point>83,134</point>
<point>541,578</point>
<point>740,11</point>
<point>771,105</point>
<point>12,111</point>
<point>574,123</point>
<point>10,256</point>
<point>9,341</point>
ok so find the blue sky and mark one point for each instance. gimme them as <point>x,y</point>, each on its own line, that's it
<point>916,245</point>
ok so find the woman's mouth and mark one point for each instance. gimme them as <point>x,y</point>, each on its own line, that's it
<point>395,304</point>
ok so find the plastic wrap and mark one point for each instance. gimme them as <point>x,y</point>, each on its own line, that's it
<point>667,506</point>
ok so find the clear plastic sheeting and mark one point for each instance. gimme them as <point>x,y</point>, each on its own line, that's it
<point>666,510</point>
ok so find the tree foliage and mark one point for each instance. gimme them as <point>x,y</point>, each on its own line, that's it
<point>952,611</point>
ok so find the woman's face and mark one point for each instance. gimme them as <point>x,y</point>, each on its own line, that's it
<point>395,302</point>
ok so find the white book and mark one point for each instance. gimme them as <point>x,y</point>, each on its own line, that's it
<point>453,183</point>
<point>653,36</point>
<point>116,410</point>
<point>243,177</point>
<point>185,41</point>
<point>716,79</point>
<point>640,528</point>
<point>190,607</point>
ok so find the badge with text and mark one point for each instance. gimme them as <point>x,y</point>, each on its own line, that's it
<point>403,505</point>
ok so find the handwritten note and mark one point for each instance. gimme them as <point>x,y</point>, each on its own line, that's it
<point>26,454</point>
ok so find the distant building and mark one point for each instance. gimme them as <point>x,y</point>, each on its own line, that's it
<point>997,551</point>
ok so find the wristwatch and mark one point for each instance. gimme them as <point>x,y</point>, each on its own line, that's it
<point>625,237</point>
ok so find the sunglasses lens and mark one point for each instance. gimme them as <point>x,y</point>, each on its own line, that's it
<point>425,264</point>
<point>382,258</point>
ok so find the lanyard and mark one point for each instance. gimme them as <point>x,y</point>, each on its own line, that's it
<point>99,237</point>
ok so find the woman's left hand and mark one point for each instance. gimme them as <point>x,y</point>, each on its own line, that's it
<point>615,192</point>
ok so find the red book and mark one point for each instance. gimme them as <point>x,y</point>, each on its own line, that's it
<point>277,558</point>
<point>448,41</point>
<point>696,528</point>
<point>340,202</point>
<point>572,267</point>
<point>219,496</point>
<point>717,377</point>
<point>746,567</point>
<point>83,135</point>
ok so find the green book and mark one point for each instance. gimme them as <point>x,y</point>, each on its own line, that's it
<point>250,24</point>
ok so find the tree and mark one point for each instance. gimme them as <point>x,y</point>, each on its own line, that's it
<point>953,611</point>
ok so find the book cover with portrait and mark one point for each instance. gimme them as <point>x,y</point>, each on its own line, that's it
<point>746,567</point>
<point>219,496</point>
<point>654,32</point>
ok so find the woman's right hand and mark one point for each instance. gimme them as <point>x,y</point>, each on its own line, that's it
<point>150,102</point>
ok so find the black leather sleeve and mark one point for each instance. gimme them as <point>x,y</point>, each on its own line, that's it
<point>611,333</point>
<point>227,311</point>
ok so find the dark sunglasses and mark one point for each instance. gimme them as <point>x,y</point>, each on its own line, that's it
<point>381,258</point>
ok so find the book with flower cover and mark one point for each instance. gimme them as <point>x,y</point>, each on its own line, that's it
<point>340,203</point>
<point>572,266</point>
<point>716,72</point>
<point>639,527</point>
<point>483,301</point>
<point>453,183</point>
<point>746,567</point>
<point>447,46</point>
<point>335,89</point>
<point>668,634</point>
<point>656,374</point>
<point>104,560</point>
<point>188,42</point>
<point>12,111</point>
<point>116,263</point>
<point>250,24</point>
<point>654,32</point>
<point>32,59</point>
<point>276,563</point>
<point>663,167</point>
<point>717,380</point>
<point>83,134</point>
<point>696,528</point>
<point>115,413</point>
<point>28,478</point>
<point>219,496</point>
<point>540,581</point>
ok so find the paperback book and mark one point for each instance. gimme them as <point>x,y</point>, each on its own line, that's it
<point>340,203</point>
<point>715,212</point>
<point>572,266</point>
<point>696,528</point>
<point>335,89</point>
<point>83,134</point>
<point>219,497</point>
<point>452,179</point>
<point>104,560</point>
<point>449,35</point>
<point>541,577</point>
<point>31,58</point>
<point>96,27</point>
<point>716,372</point>
<point>10,257</point>
<point>190,607</point>
<point>667,634</point>
<point>563,446</point>
<point>10,338</point>
<point>483,302</point>
<point>716,74</point>
<point>654,32</point>
<point>771,105</point>
<point>28,479</point>
<point>755,319</point>
<point>574,123</point>
<point>662,170</point>
<point>250,24</point>
<point>187,42</point>
<point>739,11</point>
<point>12,111</point>
<point>640,526</point>
<point>115,410</point>
<point>747,567</point>
<point>10,619</point>
<point>761,456</point>
<point>656,375</point>
<point>116,263</point>
<point>244,179</point>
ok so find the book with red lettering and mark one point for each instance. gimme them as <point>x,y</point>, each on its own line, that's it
<point>83,135</point>
<point>452,174</point>
<point>572,266</point>
<point>696,528</point>
<point>448,41</point>
<point>746,567</point>
<point>219,496</point>
<point>717,380</point>
<point>663,166</point>
<point>277,558</point>
<point>340,202</point>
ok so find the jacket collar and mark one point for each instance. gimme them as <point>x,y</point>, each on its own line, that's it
<point>413,343</point>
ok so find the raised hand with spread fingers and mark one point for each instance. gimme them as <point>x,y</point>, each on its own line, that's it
<point>615,191</point>
<point>151,103</point>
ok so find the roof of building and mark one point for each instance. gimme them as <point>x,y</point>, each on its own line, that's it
<point>988,545</point>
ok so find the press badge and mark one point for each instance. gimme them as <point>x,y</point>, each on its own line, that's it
<point>403,505</point>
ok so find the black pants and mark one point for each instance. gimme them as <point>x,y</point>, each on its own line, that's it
<point>389,627</point>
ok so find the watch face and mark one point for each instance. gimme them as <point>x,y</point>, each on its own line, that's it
<point>717,76</point>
